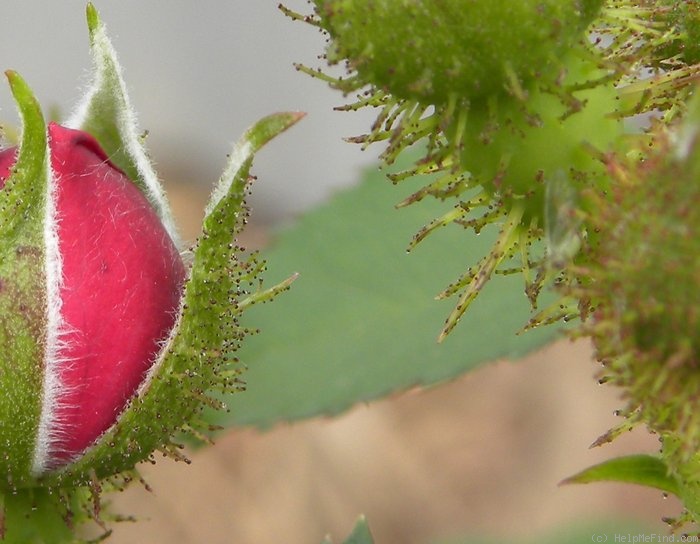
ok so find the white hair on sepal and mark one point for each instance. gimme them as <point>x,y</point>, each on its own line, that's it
<point>53,431</point>
<point>108,78</point>
<point>242,152</point>
<point>50,429</point>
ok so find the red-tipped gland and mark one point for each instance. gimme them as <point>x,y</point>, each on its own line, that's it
<point>120,286</point>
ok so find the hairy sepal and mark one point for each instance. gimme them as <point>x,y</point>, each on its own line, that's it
<point>106,112</point>
<point>28,327</point>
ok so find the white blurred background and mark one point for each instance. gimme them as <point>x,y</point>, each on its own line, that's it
<point>199,74</point>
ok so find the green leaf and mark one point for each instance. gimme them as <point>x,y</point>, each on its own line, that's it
<point>641,469</point>
<point>361,320</point>
<point>107,114</point>
<point>360,534</point>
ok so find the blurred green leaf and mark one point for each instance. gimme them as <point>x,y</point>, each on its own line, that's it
<point>361,321</point>
<point>639,469</point>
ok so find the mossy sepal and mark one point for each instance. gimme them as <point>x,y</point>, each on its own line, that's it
<point>197,354</point>
<point>25,218</point>
<point>637,284</point>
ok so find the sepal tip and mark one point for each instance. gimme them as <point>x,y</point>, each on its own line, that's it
<point>93,18</point>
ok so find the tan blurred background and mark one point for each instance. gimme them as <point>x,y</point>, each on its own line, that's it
<point>482,454</point>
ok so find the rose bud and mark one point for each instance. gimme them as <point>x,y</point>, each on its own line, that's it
<point>637,295</point>
<point>117,297</point>
<point>111,346</point>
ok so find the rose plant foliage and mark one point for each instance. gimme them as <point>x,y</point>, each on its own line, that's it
<point>114,336</point>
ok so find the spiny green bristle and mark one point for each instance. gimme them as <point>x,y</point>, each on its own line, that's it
<point>684,20</point>
<point>654,46</point>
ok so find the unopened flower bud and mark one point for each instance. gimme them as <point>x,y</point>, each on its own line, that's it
<point>111,346</point>
<point>509,98</point>
<point>113,304</point>
<point>431,51</point>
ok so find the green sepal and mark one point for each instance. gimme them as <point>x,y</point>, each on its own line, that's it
<point>685,470</point>
<point>431,50</point>
<point>23,299</point>
<point>38,515</point>
<point>106,113</point>
<point>641,469</point>
<point>650,471</point>
<point>234,180</point>
<point>19,198</point>
<point>199,358</point>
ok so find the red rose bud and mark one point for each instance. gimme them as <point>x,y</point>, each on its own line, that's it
<point>119,287</point>
<point>110,348</point>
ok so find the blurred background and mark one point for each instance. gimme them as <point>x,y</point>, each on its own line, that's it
<point>481,455</point>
